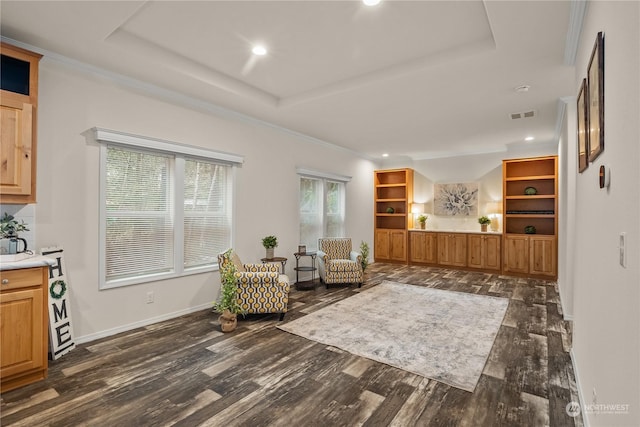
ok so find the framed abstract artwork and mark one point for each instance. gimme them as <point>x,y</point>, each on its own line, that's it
<point>583,126</point>
<point>595,88</point>
<point>456,199</point>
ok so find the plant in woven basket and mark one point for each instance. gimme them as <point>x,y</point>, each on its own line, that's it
<point>227,305</point>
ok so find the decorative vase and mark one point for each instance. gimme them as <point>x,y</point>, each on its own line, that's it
<point>228,321</point>
<point>423,225</point>
<point>483,227</point>
<point>269,253</point>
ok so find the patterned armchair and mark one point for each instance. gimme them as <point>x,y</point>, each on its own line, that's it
<point>337,263</point>
<point>261,288</point>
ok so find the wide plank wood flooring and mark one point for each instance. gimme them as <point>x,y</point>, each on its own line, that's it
<point>184,372</point>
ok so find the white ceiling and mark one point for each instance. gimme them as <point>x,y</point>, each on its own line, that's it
<point>422,79</point>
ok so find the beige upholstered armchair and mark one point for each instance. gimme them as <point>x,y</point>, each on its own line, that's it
<point>261,287</point>
<point>337,263</point>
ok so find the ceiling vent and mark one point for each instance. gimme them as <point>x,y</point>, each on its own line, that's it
<point>522,115</point>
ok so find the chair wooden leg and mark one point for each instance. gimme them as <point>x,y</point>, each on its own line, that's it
<point>282,316</point>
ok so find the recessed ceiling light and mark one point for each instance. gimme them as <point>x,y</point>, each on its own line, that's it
<point>529,138</point>
<point>259,50</point>
<point>385,154</point>
<point>371,2</point>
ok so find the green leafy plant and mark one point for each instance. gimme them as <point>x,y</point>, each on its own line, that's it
<point>9,227</point>
<point>364,251</point>
<point>422,218</point>
<point>484,220</point>
<point>229,289</point>
<point>270,242</point>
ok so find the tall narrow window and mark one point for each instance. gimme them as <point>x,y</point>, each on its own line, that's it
<point>166,208</point>
<point>322,207</point>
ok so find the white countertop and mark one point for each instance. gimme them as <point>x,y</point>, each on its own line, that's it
<point>498,233</point>
<point>33,261</point>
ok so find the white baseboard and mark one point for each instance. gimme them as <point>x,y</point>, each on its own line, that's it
<point>139,324</point>
<point>585,420</point>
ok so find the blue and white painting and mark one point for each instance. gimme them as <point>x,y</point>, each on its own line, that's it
<point>456,199</point>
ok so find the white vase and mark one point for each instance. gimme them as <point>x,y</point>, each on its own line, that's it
<point>269,253</point>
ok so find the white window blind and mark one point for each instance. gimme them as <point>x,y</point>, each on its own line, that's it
<point>166,208</point>
<point>322,209</point>
<point>207,214</point>
<point>139,228</point>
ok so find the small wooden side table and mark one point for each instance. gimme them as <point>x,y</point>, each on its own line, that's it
<point>308,284</point>
<point>279,259</point>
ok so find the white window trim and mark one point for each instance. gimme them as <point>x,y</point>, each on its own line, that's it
<point>108,138</point>
<point>323,175</point>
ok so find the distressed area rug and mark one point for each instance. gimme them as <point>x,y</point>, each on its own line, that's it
<point>442,335</point>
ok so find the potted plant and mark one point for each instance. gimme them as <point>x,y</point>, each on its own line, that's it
<point>269,243</point>
<point>422,219</point>
<point>364,251</point>
<point>9,229</point>
<point>484,221</point>
<point>227,305</point>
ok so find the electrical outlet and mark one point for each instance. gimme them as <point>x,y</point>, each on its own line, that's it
<point>623,249</point>
<point>149,297</point>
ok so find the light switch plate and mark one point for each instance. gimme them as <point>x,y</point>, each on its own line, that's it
<point>623,249</point>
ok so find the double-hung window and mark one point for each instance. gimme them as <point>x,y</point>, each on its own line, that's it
<point>166,208</point>
<point>322,206</point>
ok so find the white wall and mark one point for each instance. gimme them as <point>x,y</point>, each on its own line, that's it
<point>72,101</point>
<point>606,349</point>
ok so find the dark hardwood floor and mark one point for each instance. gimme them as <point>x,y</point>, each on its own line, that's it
<point>185,372</point>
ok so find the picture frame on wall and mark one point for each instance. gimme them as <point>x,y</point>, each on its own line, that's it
<point>595,85</point>
<point>583,128</point>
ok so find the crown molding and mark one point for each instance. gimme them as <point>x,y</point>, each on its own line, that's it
<point>577,11</point>
<point>177,98</point>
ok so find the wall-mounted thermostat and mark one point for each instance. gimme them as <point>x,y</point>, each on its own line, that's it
<point>604,176</point>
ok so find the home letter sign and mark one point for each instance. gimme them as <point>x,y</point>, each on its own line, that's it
<point>60,331</point>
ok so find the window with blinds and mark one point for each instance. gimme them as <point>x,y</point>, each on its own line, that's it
<point>166,208</point>
<point>139,220</point>
<point>207,220</point>
<point>322,209</point>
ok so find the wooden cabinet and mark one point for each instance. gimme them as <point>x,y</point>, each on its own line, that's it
<point>23,326</point>
<point>530,197</point>
<point>516,254</point>
<point>483,251</point>
<point>452,249</point>
<point>423,247</point>
<point>543,259</point>
<point>531,255</point>
<point>393,192</point>
<point>391,245</point>
<point>18,106</point>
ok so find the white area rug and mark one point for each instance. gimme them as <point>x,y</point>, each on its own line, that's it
<point>442,335</point>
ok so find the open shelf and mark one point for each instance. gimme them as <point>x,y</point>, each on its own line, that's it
<point>393,190</point>
<point>539,210</point>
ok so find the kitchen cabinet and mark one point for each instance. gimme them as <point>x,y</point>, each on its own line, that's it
<point>23,326</point>
<point>18,112</point>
